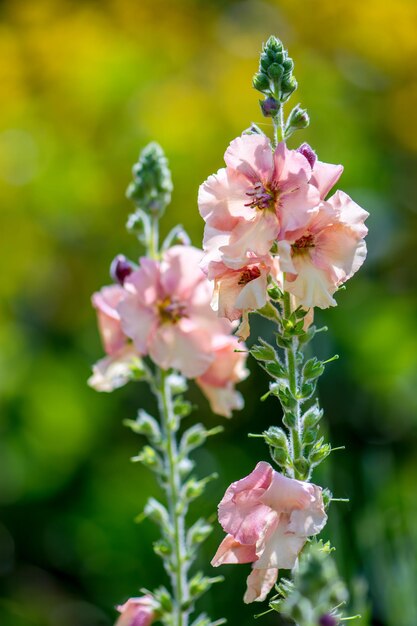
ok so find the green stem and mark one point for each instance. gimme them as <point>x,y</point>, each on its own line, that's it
<point>278,122</point>
<point>153,244</point>
<point>290,354</point>
<point>175,506</point>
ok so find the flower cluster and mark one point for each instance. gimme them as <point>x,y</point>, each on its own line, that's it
<point>267,518</point>
<point>268,218</point>
<point>161,309</point>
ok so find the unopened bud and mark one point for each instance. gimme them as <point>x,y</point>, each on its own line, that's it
<point>297,120</point>
<point>308,152</point>
<point>120,269</point>
<point>328,620</point>
<point>270,107</point>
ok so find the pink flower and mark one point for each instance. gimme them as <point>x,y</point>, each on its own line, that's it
<point>268,518</point>
<point>258,194</point>
<point>166,312</point>
<point>136,612</point>
<point>325,253</point>
<point>105,302</point>
<point>218,381</point>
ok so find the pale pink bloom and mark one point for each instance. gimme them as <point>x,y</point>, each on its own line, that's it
<point>219,380</point>
<point>116,370</point>
<point>105,302</point>
<point>166,311</point>
<point>259,193</point>
<point>325,253</point>
<point>268,518</point>
<point>136,612</point>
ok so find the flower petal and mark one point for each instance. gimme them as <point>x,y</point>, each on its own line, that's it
<point>325,176</point>
<point>180,271</point>
<point>241,511</point>
<point>189,351</point>
<point>259,584</point>
<point>281,548</point>
<point>223,400</point>
<point>251,155</point>
<point>285,494</point>
<point>310,520</point>
<point>231,552</point>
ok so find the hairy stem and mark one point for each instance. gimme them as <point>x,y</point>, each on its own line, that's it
<point>291,360</point>
<point>278,122</point>
<point>175,506</point>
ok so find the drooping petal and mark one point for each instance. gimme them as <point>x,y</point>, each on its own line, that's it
<point>312,286</point>
<point>105,302</point>
<point>251,155</point>
<point>231,552</point>
<point>223,400</point>
<point>241,511</point>
<point>114,371</point>
<point>229,362</point>
<point>281,548</point>
<point>259,584</point>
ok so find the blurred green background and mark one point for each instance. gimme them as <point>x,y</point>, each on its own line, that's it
<point>83,87</point>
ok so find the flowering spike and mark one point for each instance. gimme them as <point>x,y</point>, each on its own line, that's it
<point>152,184</point>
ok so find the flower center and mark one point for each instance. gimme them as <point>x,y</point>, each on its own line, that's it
<point>170,310</point>
<point>262,197</point>
<point>249,274</point>
<point>302,244</point>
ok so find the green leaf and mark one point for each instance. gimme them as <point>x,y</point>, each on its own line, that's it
<point>312,369</point>
<point>263,351</point>
<point>276,369</point>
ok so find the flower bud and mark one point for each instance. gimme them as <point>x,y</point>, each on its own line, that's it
<point>297,119</point>
<point>261,81</point>
<point>307,151</point>
<point>152,184</point>
<point>328,620</point>
<point>120,269</point>
<point>136,612</point>
<point>270,107</point>
<point>275,437</point>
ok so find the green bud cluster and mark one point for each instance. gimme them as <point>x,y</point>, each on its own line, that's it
<point>274,78</point>
<point>152,183</point>
<point>315,591</point>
